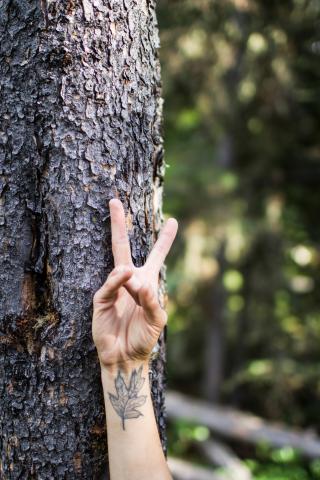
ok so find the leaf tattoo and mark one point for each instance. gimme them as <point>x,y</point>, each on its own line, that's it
<point>127,400</point>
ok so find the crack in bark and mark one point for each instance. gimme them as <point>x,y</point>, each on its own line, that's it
<point>44,8</point>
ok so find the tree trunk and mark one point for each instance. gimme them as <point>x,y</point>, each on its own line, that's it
<point>80,111</point>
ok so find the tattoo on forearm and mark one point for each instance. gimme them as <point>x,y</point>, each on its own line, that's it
<point>127,401</point>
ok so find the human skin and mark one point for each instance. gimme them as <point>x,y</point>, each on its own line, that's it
<point>127,321</point>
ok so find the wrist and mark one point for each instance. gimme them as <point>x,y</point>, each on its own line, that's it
<point>125,367</point>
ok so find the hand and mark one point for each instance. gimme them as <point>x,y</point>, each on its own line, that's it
<point>127,316</point>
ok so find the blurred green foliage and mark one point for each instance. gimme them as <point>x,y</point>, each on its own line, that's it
<point>264,462</point>
<point>241,83</point>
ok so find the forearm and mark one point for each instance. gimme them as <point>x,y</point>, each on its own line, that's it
<point>134,446</point>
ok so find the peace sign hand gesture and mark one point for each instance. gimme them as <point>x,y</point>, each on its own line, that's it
<point>127,316</point>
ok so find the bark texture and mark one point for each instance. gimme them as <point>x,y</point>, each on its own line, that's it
<point>80,111</point>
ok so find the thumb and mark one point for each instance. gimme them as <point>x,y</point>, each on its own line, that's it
<point>133,286</point>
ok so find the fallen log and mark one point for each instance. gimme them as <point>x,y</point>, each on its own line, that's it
<point>240,426</point>
<point>221,455</point>
<point>182,470</point>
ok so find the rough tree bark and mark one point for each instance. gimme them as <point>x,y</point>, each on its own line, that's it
<point>80,111</point>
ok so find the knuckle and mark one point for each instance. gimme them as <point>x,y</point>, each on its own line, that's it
<point>115,271</point>
<point>96,296</point>
<point>165,317</point>
<point>118,269</point>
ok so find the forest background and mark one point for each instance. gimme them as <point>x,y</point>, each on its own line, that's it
<point>241,84</point>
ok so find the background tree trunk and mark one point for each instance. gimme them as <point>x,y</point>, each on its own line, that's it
<point>80,114</point>
<point>215,341</point>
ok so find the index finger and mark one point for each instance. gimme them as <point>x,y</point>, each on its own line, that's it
<point>120,241</point>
